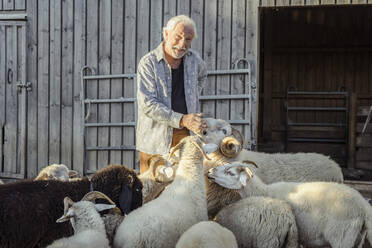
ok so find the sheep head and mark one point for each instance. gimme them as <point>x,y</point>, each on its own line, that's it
<point>232,176</point>
<point>73,210</point>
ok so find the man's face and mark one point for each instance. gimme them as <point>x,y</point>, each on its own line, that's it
<point>178,41</point>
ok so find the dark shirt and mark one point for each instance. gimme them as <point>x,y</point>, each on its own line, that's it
<point>178,90</point>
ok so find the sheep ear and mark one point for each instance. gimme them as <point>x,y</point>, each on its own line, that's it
<point>125,199</point>
<point>101,207</point>
<point>243,179</point>
<point>72,173</point>
<point>67,216</point>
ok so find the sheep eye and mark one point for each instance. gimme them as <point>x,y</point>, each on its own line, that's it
<point>204,132</point>
<point>224,131</point>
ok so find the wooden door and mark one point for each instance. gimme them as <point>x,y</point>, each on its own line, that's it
<point>13,94</point>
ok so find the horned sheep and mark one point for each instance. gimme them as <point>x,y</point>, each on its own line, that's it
<point>207,234</point>
<point>89,229</point>
<point>161,222</point>
<point>297,167</point>
<point>327,213</point>
<point>41,202</point>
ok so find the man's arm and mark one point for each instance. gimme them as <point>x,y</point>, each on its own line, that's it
<point>147,99</point>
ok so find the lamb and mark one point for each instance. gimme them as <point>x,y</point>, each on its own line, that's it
<point>327,213</point>
<point>56,172</point>
<point>41,202</point>
<point>157,177</point>
<point>161,222</point>
<point>260,222</point>
<point>87,224</point>
<point>298,167</point>
<point>207,234</point>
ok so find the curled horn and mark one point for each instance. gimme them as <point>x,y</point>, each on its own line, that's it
<point>153,163</point>
<point>232,145</point>
<point>91,196</point>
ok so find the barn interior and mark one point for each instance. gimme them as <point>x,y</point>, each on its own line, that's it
<point>315,74</point>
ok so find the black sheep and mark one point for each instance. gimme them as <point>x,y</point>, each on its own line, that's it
<point>29,209</point>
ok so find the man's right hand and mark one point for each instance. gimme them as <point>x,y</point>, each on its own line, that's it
<point>193,122</point>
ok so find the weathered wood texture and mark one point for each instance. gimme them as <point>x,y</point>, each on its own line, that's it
<point>312,49</point>
<point>111,37</point>
<point>281,3</point>
<point>12,111</point>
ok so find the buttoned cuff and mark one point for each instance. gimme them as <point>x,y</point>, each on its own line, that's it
<point>175,120</point>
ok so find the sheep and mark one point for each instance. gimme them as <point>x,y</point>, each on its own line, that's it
<point>157,177</point>
<point>260,222</point>
<point>327,213</point>
<point>161,222</point>
<point>298,167</point>
<point>29,202</point>
<point>207,234</point>
<point>84,217</point>
<point>56,172</point>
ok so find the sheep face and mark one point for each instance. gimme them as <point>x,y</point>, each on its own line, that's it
<point>58,172</point>
<point>217,130</point>
<point>81,211</point>
<point>128,189</point>
<point>231,176</point>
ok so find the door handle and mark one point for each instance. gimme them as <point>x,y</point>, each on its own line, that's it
<point>10,76</point>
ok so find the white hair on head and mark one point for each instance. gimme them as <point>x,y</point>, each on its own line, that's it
<point>171,24</point>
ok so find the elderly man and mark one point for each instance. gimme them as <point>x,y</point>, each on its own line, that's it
<point>169,79</point>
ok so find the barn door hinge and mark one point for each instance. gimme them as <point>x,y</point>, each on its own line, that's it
<point>21,85</point>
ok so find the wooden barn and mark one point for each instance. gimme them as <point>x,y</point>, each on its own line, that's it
<point>291,75</point>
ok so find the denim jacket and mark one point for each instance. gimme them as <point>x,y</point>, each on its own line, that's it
<point>156,119</point>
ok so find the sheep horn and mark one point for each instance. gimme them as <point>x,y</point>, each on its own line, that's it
<point>91,196</point>
<point>232,145</point>
<point>250,162</point>
<point>174,149</point>
<point>67,202</point>
<point>201,149</point>
<point>153,162</point>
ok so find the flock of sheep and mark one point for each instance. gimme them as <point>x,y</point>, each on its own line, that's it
<point>208,192</point>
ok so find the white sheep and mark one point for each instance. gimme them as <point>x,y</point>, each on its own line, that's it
<point>56,172</point>
<point>157,177</point>
<point>327,213</point>
<point>296,167</point>
<point>161,222</point>
<point>88,226</point>
<point>207,234</point>
<point>260,222</point>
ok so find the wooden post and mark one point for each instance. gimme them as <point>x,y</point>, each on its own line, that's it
<point>352,130</point>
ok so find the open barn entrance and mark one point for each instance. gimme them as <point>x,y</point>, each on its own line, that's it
<point>315,80</point>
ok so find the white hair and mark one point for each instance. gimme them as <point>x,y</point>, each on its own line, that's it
<point>171,24</point>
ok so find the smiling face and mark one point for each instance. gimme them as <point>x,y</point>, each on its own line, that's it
<point>178,41</point>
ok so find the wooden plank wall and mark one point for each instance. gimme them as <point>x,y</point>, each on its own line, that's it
<point>313,49</point>
<point>280,3</point>
<point>111,37</point>
<point>11,5</point>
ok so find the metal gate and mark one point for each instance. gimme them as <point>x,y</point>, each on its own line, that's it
<point>13,95</point>
<point>95,143</point>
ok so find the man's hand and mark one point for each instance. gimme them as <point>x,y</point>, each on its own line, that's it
<point>193,122</point>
